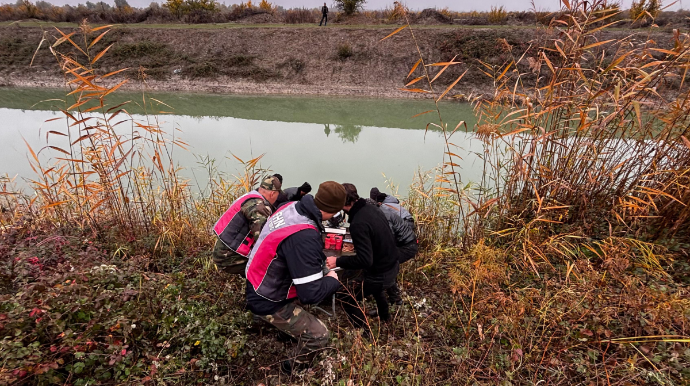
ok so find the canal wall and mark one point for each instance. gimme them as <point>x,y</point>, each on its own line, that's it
<point>283,60</point>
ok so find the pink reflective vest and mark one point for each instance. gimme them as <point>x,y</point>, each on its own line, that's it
<point>268,273</point>
<point>233,228</point>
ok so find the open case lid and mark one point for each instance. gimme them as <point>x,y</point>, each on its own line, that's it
<point>338,231</point>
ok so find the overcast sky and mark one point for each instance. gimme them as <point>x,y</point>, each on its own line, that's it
<point>455,5</point>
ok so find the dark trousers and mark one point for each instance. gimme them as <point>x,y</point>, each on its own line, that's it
<point>406,252</point>
<point>324,18</point>
<point>354,292</point>
<point>359,285</point>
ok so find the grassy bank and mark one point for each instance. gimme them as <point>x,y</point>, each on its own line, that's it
<point>276,60</point>
<point>568,264</point>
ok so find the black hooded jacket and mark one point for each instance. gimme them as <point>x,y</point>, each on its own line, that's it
<point>373,239</point>
<point>303,253</point>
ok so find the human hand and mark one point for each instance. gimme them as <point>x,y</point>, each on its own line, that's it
<point>332,274</point>
<point>330,262</point>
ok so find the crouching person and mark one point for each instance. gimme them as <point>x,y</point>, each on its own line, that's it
<point>240,226</point>
<point>377,256</point>
<point>402,225</point>
<point>286,264</point>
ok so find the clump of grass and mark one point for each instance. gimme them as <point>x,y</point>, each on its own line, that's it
<point>239,60</point>
<point>202,70</point>
<point>497,15</point>
<point>643,9</point>
<point>344,51</point>
<point>234,66</point>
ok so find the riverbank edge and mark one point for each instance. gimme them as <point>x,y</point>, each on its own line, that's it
<point>234,87</point>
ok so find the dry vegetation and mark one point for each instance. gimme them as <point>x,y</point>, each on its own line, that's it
<point>640,14</point>
<point>567,265</point>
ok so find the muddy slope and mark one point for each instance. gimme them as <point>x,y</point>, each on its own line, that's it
<point>327,61</point>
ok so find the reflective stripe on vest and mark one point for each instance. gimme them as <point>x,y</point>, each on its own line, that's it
<point>267,273</point>
<point>233,222</point>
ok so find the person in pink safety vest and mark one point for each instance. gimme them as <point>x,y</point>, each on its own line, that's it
<point>239,227</point>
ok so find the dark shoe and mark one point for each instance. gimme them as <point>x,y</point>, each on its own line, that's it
<point>288,366</point>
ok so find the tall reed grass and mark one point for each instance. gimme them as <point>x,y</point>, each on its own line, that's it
<point>110,171</point>
<point>586,140</point>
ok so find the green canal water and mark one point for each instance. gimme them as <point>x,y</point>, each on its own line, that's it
<point>368,142</point>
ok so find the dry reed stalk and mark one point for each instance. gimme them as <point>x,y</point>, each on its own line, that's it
<point>584,138</point>
<point>116,170</point>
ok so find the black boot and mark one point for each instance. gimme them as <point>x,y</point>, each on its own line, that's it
<point>289,365</point>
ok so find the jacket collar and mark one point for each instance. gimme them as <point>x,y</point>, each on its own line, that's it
<point>356,207</point>
<point>307,207</point>
<point>390,200</point>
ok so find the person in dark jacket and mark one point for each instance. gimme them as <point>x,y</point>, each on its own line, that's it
<point>405,236</point>
<point>324,17</point>
<point>287,264</point>
<point>376,255</point>
<point>390,202</point>
<point>293,194</point>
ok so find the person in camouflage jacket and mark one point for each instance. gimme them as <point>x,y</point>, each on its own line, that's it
<point>256,211</point>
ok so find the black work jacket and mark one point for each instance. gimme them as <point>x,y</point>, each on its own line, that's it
<point>373,239</point>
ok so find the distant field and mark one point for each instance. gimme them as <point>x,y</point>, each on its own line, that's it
<point>266,25</point>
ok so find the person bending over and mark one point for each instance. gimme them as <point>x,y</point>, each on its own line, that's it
<point>287,264</point>
<point>240,226</point>
<point>376,255</point>
<point>405,238</point>
<point>293,194</point>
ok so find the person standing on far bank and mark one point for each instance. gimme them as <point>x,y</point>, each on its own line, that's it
<point>324,18</point>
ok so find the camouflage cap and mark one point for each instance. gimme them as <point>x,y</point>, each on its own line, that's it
<point>271,183</point>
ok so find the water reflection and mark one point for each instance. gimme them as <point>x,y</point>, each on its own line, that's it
<point>348,133</point>
<point>369,136</point>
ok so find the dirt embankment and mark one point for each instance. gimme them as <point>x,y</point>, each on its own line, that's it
<point>316,61</point>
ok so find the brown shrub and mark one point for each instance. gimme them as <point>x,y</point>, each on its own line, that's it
<point>301,16</point>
